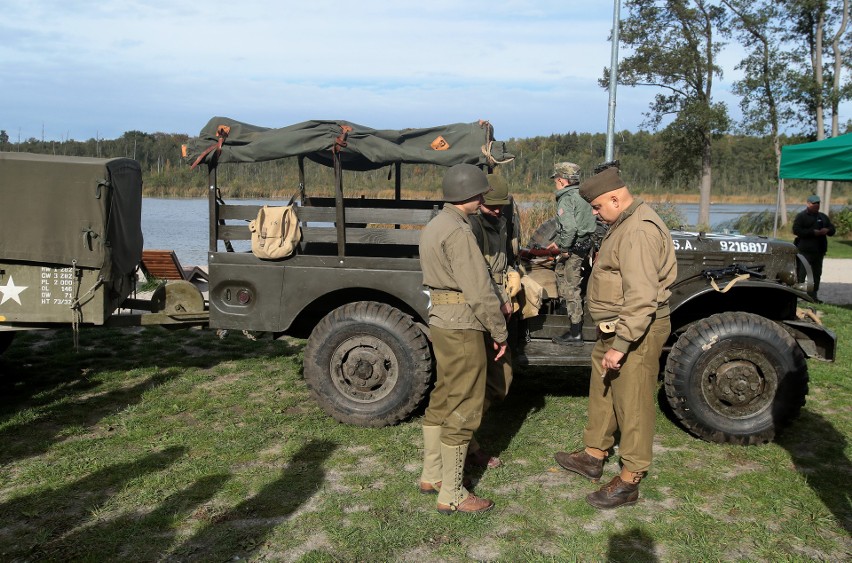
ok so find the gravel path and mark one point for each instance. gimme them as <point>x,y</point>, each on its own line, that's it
<point>836,284</point>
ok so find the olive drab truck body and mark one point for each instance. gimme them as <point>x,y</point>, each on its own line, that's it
<point>735,364</point>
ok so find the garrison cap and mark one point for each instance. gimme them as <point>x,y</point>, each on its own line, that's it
<point>601,183</point>
<point>567,170</point>
<point>499,193</point>
<point>813,199</point>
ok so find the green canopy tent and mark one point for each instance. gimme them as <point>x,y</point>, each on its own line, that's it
<point>829,160</point>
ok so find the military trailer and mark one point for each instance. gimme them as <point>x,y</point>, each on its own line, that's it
<point>735,365</point>
<point>70,243</point>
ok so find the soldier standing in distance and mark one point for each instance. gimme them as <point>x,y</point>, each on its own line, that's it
<point>573,241</point>
<point>464,310</point>
<point>811,228</point>
<point>628,298</point>
<point>491,229</point>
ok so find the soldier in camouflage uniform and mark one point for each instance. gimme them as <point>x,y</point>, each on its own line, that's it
<point>495,226</point>
<point>573,241</point>
<point>464,311</point>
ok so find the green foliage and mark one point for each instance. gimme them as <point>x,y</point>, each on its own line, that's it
<point>671,214</point>
<point>842,221</point>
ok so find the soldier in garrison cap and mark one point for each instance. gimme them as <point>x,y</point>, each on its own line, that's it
<point>628,299</point>
<point>464,314</point>
<point>573,242</point>
<point>495,227</point>
<point>811,228</point>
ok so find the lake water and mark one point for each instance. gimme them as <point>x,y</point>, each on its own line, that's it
<point>181,224</point>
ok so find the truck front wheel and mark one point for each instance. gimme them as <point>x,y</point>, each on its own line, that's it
<point>368,364</point>
<point>736,378</point>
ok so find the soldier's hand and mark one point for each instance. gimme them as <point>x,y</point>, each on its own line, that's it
<point>612,360</point>
<point>551,247</point>
<point>506,309</point>
<point>513,282</point>
<point>501,349</point>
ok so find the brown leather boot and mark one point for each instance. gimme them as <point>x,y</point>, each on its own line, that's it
<point>472,504</point>
<point>614,494</point>
<point>581,463</point>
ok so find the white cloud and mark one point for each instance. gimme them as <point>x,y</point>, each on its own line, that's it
<point>85,69</point>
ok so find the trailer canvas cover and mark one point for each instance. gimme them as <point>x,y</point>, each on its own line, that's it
<point>360,148</point>
<point>71,211</point>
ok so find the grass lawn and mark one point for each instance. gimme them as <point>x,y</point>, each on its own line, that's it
<point>156,445</point>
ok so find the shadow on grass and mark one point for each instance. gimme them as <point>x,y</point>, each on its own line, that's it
<point>245,527</point>
<point>47,387</point>
<point>633,546</point>
<point>30,524</point>
<point>817,451</point>
<point>527,395</point>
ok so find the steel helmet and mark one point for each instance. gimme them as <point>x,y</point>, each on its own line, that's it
<point>499,194</point>
<point>463,181</point>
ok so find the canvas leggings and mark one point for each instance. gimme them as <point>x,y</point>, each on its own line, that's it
<point>456,402</point>
<point>626,399</point>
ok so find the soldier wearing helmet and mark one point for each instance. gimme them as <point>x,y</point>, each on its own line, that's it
<point>495,227</point>
<point>573,242</point>
<point>464,312</point>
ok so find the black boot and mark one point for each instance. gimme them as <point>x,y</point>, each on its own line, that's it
<point>573,337</point>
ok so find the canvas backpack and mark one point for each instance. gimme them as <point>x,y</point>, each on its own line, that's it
<point>275,232</point>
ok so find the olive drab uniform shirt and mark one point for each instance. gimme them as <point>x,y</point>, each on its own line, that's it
<point>575,217</point>
<point>452,262</point>
<point>492,237</point>
<point>632,274</point>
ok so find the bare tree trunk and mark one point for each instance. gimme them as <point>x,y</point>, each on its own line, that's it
<point>835,90</point>
<point>819,105</point>
<point>705,186</point>
<point>782,198</point>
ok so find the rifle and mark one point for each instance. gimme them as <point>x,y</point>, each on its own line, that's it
<point>734,270</point>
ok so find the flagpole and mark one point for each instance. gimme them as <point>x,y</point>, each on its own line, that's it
<point>613,82</point>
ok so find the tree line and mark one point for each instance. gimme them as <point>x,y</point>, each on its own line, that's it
<point>744,167</point>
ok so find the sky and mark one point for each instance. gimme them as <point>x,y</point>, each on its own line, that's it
<point>78,70</point>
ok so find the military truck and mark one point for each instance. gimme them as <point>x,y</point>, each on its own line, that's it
<point>734,369</point>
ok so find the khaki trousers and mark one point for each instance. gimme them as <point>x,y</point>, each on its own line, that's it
<point>626,399</point>
<point>455,403</point>
<point>499,377</point>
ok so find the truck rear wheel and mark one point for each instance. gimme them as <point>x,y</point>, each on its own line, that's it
<point>736,378</point>
<point>368,364</point>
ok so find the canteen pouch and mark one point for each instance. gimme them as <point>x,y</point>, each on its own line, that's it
<point>275,233</point>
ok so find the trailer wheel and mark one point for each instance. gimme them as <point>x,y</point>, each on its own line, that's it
<point>6,338</point>
<point>736,378</point>
<point>367,363</point>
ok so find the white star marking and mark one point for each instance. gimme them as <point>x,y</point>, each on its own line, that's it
<point>12,291</point>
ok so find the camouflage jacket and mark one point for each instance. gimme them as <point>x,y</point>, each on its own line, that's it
<point>575,217</point>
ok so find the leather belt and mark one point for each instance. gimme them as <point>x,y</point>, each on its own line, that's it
<point>440,297</point>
